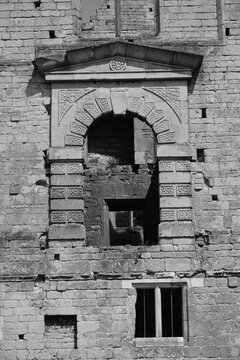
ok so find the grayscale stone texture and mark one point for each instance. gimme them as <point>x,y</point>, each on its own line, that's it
<point>54,256</point>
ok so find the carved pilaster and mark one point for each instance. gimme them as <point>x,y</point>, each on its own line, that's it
<point>175,193</point>
<point>66,191</point>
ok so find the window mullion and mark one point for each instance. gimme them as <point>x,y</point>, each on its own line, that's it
<point>158,312</point>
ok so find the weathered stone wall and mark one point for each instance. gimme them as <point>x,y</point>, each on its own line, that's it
<point>167,19</point>
<point>87,281</point>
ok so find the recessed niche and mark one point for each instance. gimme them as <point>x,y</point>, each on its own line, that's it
<point>214,198</point>
<point>204,113</point>
<point>61,331</point>
<point>200,155</point>
<point>56,256</point>
<point>37,4</point>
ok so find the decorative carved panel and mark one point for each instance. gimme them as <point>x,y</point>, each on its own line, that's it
<point>75,193</point>
<point>184,190</point>
<point>170,95</point>
<point>166,166</point>
<point>67,97</point>
<point>167,190</point>
<point>57,168</point>
<point>167,215</point>
<point>58,193</point>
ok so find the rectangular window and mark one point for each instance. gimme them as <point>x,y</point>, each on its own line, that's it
<point>124,221</point>
<point>161,311</point>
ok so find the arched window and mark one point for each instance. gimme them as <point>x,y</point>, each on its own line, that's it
<point>121,183</point>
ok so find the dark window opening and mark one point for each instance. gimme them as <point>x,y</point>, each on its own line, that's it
<point>204,113</point>
<point>111,141</point>
<point>214,198</point>
<point>61,331</point>
<point>200,155</point>
<point>145,313</point>
<point>21,336</point>
<point>121,183</point>
<point>171,312</point>
<point>130,222</point>
<point>150,9</point>
<point>131,40</point>
<point>108,6</point>
<point>126,222</point>
<point>52,34</point>
<point>227,31</point>
<point>159,312</point>
<point>56,256</point>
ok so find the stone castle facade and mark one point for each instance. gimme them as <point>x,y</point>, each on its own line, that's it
<point>120,197</point>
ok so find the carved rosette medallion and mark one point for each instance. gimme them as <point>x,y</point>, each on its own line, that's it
<point>118,63</point>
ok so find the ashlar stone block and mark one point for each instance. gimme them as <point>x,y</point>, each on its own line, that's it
<point>180,229</point>
<point>67,232</point>
<point>66,204</point>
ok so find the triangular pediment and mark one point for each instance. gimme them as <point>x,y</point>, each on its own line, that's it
<point>120,61</point>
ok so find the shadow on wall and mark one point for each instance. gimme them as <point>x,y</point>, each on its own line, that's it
<point>37,85</point>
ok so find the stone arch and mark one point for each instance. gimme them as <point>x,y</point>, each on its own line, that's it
<point>139,106</point>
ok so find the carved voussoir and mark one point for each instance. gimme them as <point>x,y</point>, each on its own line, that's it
<point>78,128</point>
<point>133,104</point>
<point>161,126</point>
<point>71,140</point>
<point>104,105</point>
<point>82,117</point>
<point>92,109</point>
<point>145,109</point>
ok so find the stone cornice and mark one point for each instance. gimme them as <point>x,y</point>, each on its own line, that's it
<point>163,64</point>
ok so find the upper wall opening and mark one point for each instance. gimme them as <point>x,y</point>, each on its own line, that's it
<point>120,140</point>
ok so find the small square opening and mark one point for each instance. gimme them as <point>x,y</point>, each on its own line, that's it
<point>214,198</point>
<point>37,4</point>
<point>21,336</point>
<point>227,31</point>
<point>52,34</point>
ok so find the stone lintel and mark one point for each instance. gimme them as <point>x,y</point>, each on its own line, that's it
<point>174,151</point>
<point>65,153</point>
<point>70,232</point>
<point>177,230</point>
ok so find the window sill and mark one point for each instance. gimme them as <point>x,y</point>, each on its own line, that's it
<point>164,341</point>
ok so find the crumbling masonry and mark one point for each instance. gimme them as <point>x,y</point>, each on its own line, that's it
<point>120,180</point>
